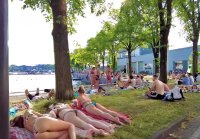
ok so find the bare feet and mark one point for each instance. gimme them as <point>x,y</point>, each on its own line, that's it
<point>118,121</point>
<point>89,134</point>
<point>103,133</point>
<point>126,120</point>
<point>110,129</point>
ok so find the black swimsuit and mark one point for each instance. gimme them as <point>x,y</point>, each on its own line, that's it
<point>71,110</point>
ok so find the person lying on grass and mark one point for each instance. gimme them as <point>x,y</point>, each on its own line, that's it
<point>83,101</point>
<point>157,90</point>
<point>37,96</point>
<point>79,119</point>
<point>44,127</point>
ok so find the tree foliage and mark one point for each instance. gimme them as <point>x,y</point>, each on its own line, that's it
<point>129,29</point>
<point>64,14</point>
<point>150,17</point>
<point>75,8</point>
<point>189,13</point>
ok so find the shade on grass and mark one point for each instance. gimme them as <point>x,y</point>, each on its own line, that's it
<point>148,115</point>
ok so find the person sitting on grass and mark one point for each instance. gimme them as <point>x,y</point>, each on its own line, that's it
<point>131,83</point>
<point>194,89</point>
<point>83,101</point>
<point>79,119</point>
<point>119,82</point>
<point>44,127</point>
<point>139,81</point>
<point>157,90</point>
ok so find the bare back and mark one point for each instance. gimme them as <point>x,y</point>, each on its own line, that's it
<point>158,87</point>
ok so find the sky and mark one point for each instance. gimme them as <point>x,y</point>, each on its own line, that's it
<point>30,41</point>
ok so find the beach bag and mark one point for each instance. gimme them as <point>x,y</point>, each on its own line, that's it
<point>174,94</point>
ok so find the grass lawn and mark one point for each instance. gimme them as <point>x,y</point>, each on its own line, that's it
<point>148,115</point>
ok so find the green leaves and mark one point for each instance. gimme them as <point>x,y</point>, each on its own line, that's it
<point>75,8</point>
<point>189,13</point>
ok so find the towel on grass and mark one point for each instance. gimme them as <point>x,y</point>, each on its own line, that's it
<point>97,116</point>
<point>20,133</point>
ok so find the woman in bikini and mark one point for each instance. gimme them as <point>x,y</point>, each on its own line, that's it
<point>108,75</point>
<point>92,77</point>
<point>97,109</point>
<point>44,127</point>
<point>98,75</point>
<point>79,119</point>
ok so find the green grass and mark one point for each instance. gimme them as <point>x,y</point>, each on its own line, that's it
<point>148,116</point>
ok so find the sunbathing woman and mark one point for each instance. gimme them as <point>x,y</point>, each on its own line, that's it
<point>79,119</point>
<point>44,127</point>
<point>98,109</point>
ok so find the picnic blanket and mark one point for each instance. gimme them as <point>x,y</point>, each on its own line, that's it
<point>20,133</point>
<point>97,116</point>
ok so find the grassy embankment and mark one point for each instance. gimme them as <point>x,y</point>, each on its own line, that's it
<point>148,116</point>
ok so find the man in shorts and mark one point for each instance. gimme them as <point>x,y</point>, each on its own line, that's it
<point>156,91</point>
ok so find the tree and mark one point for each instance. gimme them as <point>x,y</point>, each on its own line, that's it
<point>111,43</point>
<point>63,19</point>
<point>106,39</point>
<point>165,19</point>
<point>100,45</point>
<point>150,17</point>
<point>94,51</point>
<point>189,12</point>
<point>82,57</point>
<point>129,28</point>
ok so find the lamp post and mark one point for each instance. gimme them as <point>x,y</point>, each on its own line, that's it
<point>4,93</point>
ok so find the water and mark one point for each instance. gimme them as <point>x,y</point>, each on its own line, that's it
<point>18,83</point>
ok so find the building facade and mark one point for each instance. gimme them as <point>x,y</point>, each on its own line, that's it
<point>143,60</point>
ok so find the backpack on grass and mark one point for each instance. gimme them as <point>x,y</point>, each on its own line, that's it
<point>174,94</point>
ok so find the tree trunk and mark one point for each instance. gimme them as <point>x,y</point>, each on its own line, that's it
<point>103,60</point>
<point>156,58</point>
<point>195,57</point>
<point>129,62</point>
<point>165,25</point>
<point>163,58</point>
<point>64,88</point>
<point>114,63</point>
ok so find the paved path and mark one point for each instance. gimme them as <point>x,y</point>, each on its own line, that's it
<point>196,134</point>
<point>191,130</point>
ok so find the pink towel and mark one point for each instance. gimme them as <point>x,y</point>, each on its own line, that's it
<point>99,117</point>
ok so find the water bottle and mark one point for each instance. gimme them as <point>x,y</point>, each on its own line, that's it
<point>12,111</point>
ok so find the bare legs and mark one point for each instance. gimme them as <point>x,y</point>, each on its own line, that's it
<point>93,110</point>
<point>82,124</point>
<point>108,128</point>
<point>56,128</point>
<point>84,133</point>
<point>115,114</point>
<point>52,135</point>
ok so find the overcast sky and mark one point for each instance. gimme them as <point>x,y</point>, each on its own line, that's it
<point>30,40</point>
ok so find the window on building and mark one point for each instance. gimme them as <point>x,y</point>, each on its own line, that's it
<point>178,65</point>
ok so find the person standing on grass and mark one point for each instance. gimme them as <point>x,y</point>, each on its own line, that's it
<point>98,75</point>
<point>92,77</point>
<point>157,89</point>
<point>108,75</point>
<point>124,70</point>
